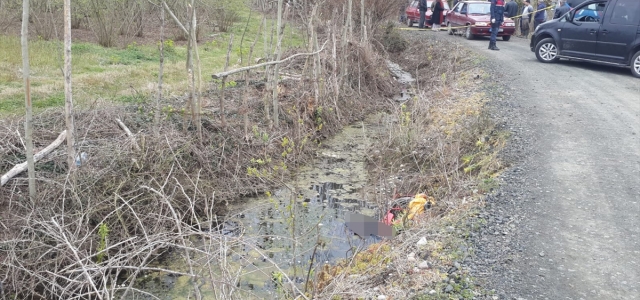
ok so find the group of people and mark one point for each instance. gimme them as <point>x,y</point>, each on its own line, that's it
<point>511,11</point>
<point>539,17</point>
<point>499,10</point>
<point>437,13</point>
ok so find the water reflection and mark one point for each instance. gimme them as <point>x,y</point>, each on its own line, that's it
<point>290,242</point>
<point>285,228</point>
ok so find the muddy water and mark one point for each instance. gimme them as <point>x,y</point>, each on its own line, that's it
<point>283,229</point>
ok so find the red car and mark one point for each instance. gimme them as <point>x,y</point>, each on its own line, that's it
<point>477,14</point>
<point>413,13</point>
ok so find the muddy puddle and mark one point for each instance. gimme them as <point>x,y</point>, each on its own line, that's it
<point>283,229</point>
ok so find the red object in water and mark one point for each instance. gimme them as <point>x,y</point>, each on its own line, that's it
<point>388,219</point>
<point>390,216</point>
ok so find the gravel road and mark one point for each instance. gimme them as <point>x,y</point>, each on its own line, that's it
<point>566,221</point>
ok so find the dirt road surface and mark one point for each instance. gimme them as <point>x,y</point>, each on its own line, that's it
<point>566,223</point>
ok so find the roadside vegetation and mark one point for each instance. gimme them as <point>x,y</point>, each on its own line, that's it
<point>444,144</point>
<point>136,199</point>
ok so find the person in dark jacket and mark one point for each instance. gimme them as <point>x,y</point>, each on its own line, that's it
<point>437,16</point>
<point>563,9</point>
<point>497,18</point>
<point>511,9</point>
<point>422,6</point>
<point>539,17</point>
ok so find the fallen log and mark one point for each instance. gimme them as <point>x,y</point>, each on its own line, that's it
<point>19,168</point>
<point>231,72</point>
<point>129,134</point>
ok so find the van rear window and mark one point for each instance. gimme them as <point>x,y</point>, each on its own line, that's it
<point>626,12</point>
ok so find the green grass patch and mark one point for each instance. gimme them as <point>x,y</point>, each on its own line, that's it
<point>15,104</point>
<point>12,104</point>
<point>46,101</point>
<point>131,99</point>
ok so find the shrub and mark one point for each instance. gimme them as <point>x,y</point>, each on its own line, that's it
<point>392,40</point>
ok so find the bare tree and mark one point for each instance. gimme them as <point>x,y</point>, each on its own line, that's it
<point>192,46</point>
<point>195,96</point>
<point>363,26</point>
<point>224,82</point>
<point>68,99</point>
<point>277,67</point>
<point>267,50</point>
<point>28,122</point>
<point>156,117</point>
<point>350,20</point>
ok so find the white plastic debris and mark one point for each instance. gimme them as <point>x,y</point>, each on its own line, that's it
<point>81,158</point>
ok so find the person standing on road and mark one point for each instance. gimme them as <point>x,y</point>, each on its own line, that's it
<point>539,17</point>
<point>526,18</point>
<point>437,16</point>
<point>497,18</point>
<point>563,9</point>
<point>422,6</point>
<point>511,9</point>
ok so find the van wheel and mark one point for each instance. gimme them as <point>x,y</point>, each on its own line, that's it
<point>409,22</point>
<point>449,29</point>
<point>547,51</point>
<point>635,65</point>
<point>467,34</point>
<point>506,38</point>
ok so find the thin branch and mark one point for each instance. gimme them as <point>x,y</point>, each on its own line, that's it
<point>166,7</point>
<point>77,257</point>
<point>227,73</point>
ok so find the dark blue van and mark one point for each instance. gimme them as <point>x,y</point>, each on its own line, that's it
<point>599,31</point>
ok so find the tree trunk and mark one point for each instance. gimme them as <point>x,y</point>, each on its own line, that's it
<point>156,116</point>
<point>277,67</point>
<point>267,69</point>
<point>68,95</point>
<point>350,20</point>
<point>196,85</point>
<point>28,122</point>
<point>316,58</point>
<point>189,64</point>
<point>362,22</point>
<point>224,81</point>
